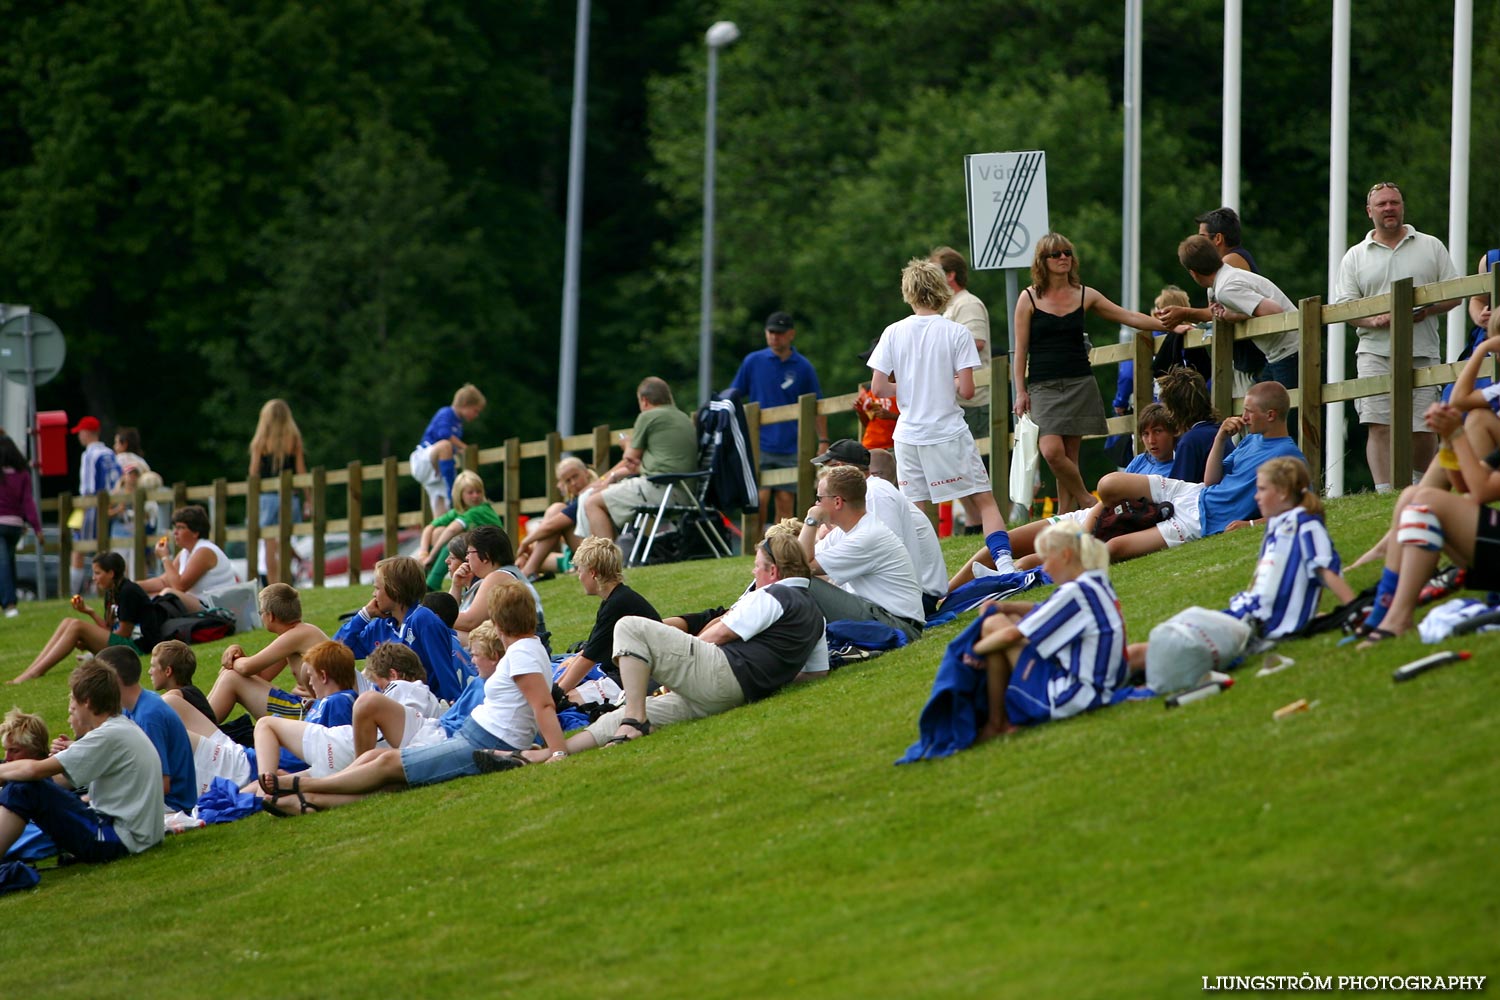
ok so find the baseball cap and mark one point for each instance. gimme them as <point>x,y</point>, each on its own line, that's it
<point>779,322</point>
<point>845,450</point>
<point>864,355</point>
<point>86,424</point>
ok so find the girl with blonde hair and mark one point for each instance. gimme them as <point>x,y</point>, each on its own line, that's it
<point>276,446</point>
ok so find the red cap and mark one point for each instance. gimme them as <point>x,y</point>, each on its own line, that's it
<point>86,424</point>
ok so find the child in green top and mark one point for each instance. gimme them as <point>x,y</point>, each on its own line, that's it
<point>470,510</point>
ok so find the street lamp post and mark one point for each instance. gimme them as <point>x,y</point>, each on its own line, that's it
<point>722,33</point>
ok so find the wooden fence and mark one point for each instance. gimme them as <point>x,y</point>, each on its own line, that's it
<point>371,494</point>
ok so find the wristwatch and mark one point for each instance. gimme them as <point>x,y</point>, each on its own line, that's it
<point>811,522</point>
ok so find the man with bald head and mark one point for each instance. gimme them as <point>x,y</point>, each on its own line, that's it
<point>1226,497</point>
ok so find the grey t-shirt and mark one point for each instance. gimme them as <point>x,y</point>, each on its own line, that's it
<point>120,766</point>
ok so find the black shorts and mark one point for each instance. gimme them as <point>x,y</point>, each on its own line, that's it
<point>1484,568</point>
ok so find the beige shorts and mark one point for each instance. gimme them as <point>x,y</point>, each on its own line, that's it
<point>697,673</point>
<point>1377,409</point>
<point>624,497</point>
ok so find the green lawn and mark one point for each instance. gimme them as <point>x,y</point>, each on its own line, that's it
<point>774,851</point>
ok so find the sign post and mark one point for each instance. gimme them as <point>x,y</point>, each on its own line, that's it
<point>32,352</point>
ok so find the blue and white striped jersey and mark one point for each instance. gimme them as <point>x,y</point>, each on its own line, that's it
<point>1284,593</point>
<point>1079,631</point>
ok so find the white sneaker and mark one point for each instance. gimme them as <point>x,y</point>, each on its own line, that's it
<point>11,612</point>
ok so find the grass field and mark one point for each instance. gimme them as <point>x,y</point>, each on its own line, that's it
<point>775,850</point>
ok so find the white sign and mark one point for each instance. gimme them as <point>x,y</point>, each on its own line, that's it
<point>1007,207</point>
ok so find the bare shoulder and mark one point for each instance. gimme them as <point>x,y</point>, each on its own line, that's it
<point>304,636</point>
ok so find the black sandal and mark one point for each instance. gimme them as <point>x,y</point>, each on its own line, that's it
<point>642,728</point>
<point>269,804</point>
<point>494,761</point>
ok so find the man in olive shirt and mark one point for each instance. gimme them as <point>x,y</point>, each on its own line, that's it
<point>662,441</point>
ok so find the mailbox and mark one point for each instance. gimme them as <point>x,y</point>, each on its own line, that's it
<point>52,443</point>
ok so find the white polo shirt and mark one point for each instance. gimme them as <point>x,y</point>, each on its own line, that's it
<point>1370,268</point>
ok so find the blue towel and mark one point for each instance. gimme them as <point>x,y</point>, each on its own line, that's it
<point>992,588</point>
<point>865,635</point>
<point>17,875</point>
<point>32,845</point>
<point>223,802</point>
<point>956,709</point>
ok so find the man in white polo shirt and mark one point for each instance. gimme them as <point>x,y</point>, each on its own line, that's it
<point>1389,252</point>
<point>870,575</point>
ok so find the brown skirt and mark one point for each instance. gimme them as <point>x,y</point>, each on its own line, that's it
<point>1071,407</point>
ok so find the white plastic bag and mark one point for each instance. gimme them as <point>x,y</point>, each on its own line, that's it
<point>1023,461</point>
<point>1185,647</point>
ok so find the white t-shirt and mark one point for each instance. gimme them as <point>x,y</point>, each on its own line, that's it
<point>505,713</point>
<point>757,611</point>
<point>1370,268</point>
<point>966,309</point>
<point>1242,291</point>
<point>908,523</point>
<point>416,696</point>
<point>870,562</point>
<point>120,765</point>
<point>922,354</point>
<point>218,576</point>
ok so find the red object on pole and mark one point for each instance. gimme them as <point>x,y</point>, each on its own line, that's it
<point>945,520</point>
<point>52,443</point>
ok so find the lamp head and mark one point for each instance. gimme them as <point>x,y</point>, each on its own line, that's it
<point>722,33</point>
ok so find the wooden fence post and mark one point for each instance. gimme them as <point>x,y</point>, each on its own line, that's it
<point>137,562</point>
<point>601,461</point>
<point>513,487</point>
<point>319,514</point>
<point>101,518</point>
<point>252,526</point>
<point>1000,431</point>
<point>64,544</point>
<point>390,506</point>
<point>554,455</point>
<point>1310,383</point>
<point>221,512</point>
<point>807,450</point>
<point>179,496</point>
<point>1142,383</point>
<point>1401,384</point>
<point>751,527</point>
<point>1221,393</point>
<point>356,521</point>
<point>284,522</point>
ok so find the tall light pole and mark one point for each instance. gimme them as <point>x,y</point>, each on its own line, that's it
<point>567,368</point>
<point>722,33</point>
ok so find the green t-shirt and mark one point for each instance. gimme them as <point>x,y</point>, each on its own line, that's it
<point>667,441</point>
<point>471,518</point>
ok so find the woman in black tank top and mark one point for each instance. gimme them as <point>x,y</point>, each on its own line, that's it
<point>276,446</point>
<point>1053,379</point>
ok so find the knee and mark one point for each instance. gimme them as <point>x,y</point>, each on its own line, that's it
<point>1053,449</point>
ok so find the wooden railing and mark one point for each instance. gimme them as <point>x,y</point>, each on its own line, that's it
<point>375,507</point>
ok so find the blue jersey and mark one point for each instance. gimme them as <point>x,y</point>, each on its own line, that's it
<point>424,632</point>
<point>336,709</point>
<point>1080,634</point>
<point>458,713</point>
<point>445,423</point>
<point>1232,498</point>
<point>770,381</point>
<point>170,737</point>
<point>1146,465</point>
<point>1284,594</point>
<point>1191,456</point>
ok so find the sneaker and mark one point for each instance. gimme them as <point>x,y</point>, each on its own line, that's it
<point>1441,585</point>
<point>11,612</point>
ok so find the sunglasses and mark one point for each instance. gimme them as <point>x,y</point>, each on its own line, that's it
<point>1054,254</point>
<point>1382,184</point>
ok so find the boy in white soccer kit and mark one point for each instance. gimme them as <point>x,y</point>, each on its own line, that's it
<point>927,362</point>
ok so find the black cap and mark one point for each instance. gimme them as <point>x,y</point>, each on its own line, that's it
<point>779,322</point>
<point>864,356</point>
<point>847,451</point>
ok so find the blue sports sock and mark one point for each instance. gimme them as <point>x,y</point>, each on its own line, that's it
<point>998,542</point>
<point>449,468</point>
<point>1385,590</point>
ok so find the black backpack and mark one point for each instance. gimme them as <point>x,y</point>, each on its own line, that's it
<point>179,623</point>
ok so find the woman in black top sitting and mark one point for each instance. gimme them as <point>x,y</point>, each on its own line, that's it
<point>125,606</point>
<point>1054,381</point>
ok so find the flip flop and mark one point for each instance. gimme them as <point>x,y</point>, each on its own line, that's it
<point>1374,635</point>
<point>493,761</point>
<point>642,728</point>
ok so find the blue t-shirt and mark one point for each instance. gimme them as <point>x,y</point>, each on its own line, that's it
<point>427,636</point>
<point>445,424</point>
<point>170,737</point>
<point>1191,456</point>
<point>1145,465</point>
<point>770,381</point>
<point>458,713</point>
<point>1232,498</point>
<point>332,710</point>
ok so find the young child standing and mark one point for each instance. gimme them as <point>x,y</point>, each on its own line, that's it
<point>923,361</point>
<point>434,462</point>
<point>112,756</point>
<point>1061,657</point>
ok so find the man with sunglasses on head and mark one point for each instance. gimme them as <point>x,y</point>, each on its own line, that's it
<point>1389,252</point>
<point>869,575</point>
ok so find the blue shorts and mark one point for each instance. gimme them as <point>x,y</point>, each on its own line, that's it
<point>284,704</point>
<point>1027,701</point>
<point>452,758</point>
<point>74,827</point>
<point>570,510</point>
<point>270,508</point>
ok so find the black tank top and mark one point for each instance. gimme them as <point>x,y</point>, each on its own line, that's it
<point>270,468</point>
<point>1059,345</point>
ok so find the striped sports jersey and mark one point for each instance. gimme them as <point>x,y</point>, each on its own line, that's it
<point>1283,595</point>
<point>98,472</point>
<point>1079,631</point>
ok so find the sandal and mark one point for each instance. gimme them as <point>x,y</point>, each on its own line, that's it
<point>642,728</point>
<point>493,761</point>
<point>269,804</point>
<point>1373,635</point>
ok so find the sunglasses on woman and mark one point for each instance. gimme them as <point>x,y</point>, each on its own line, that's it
<point>1054,254</point>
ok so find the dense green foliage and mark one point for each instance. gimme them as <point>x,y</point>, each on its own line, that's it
<point>773,851</point>
<point>360,207</point>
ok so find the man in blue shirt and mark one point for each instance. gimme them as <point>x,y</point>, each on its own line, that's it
<point>776,376</point>
<point>160,723</point>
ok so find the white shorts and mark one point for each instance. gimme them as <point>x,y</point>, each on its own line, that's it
<point>940,472</point>
<point>428,475</point>
<point>1186,523</point>
<point>327,751</point>
<point>420,730</point>
<point>1377,409</point>
<point>218,756</point>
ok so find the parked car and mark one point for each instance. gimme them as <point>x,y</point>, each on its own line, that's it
<point>336,554</point>
<point>26,577</point>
